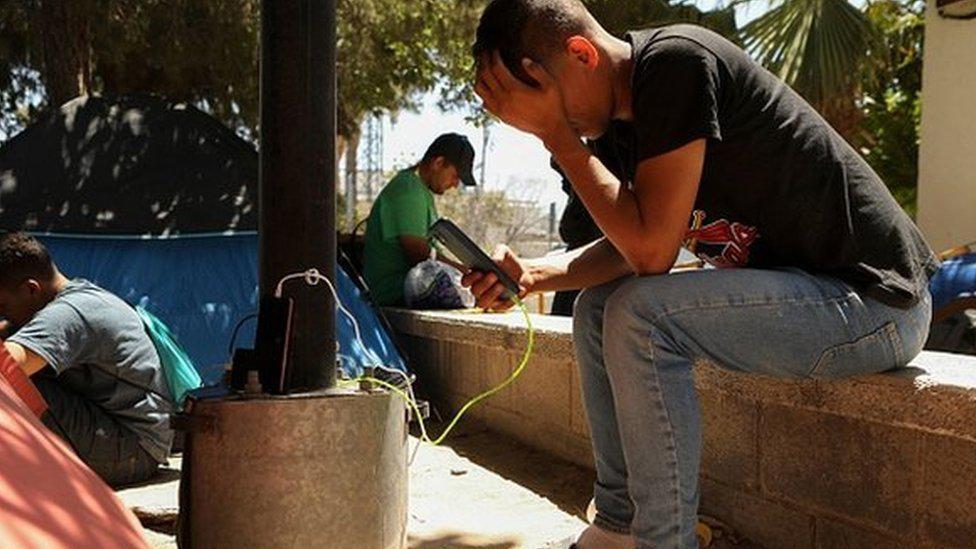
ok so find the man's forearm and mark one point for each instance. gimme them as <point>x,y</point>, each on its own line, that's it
<point>648,221</point>
<point>613,206</point>
<point>591,265</point>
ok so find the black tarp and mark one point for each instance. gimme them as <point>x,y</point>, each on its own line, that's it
<point>134,165</point>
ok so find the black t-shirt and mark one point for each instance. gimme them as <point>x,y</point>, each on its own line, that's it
<point>779,187</point>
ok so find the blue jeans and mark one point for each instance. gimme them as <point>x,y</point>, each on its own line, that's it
<point>636,341</point>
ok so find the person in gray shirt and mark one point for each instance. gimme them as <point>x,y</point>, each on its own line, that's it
<point>89,355</point>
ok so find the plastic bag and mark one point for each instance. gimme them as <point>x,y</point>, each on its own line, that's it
<point>435,285</point>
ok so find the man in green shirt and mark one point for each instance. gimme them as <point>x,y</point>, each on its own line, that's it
<point>397,229</point>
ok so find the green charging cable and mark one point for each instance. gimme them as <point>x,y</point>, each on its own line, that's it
<point>526,355</point>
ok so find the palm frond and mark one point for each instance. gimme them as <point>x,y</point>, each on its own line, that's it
<point>818,47</point>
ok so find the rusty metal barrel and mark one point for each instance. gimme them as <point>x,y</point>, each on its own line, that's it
<point>323,469</point>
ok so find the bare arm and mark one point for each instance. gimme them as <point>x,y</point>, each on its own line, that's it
<point>594,264</point>
<point>29,361</point>
<point>646,223</point>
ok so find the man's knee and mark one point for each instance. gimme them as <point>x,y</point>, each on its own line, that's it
<point>587,311</point>
<point>632,305</point>
<point>637,316</point>
<point>589,301</point>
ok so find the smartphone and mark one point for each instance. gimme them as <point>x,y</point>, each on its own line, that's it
<point>271,342</point>
<point>469,254</point>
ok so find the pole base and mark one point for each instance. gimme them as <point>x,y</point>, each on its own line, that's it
<point>314,470</point>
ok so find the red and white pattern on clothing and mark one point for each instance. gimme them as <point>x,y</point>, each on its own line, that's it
<point>732,238</point>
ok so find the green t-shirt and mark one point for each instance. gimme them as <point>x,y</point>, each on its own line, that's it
<point>405,207</point>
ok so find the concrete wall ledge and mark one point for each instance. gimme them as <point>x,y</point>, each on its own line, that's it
<point>883,460</point>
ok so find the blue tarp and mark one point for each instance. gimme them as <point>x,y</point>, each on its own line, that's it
<point>201,286</point>
<point>955,278</point>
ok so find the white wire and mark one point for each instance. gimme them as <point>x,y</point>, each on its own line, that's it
<point>312,278</point>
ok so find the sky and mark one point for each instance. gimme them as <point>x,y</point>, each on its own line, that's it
<point>513,156</point>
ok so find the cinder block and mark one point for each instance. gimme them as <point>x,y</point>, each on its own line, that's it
<point>948,499</point>
<point>469,362</point>
<point>536,433</point>
<point>709,377</point>
<point>729,452</point>
<point>417,351</point>
<point>866,471</point>
<point>832,534</point>
<point>451,402</point>
<point>542,391</point>
<point>497,367</point>
<point>508,423</point>
<point>769,523</point>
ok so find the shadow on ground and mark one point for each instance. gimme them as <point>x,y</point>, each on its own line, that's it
<point>566,485</point>
<point>165,474</point>
<point>458,541</point>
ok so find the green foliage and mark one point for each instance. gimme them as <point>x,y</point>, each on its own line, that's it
<point>893,150</point>
<point>19,85</point>
<point>390,51</point>
<point>818,47</point>
<point>892,102</point>
<point>207,53</point>
<point>619,17</point>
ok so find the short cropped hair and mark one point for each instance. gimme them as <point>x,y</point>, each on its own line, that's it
<point>23,257</point>
<point>536,29</point>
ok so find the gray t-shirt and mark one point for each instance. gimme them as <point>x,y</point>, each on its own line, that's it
<point>98,347</point>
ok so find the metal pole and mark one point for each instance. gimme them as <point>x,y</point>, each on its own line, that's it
<point>552,224</point>
<point>352,169</point>
<point>253,474</point>
<point>485,139</point>
<point>298,173</point>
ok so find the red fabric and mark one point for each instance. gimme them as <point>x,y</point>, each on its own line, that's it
<point>20,383</point>
<point>48,497</point>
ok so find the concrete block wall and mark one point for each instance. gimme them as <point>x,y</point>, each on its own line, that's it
<point>876,461</point>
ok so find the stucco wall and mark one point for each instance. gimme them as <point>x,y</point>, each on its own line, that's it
<point>947,158</point>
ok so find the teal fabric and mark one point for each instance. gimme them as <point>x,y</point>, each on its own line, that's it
<point>181,375</point>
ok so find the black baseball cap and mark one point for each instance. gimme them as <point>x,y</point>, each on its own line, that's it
<point>456,149</point>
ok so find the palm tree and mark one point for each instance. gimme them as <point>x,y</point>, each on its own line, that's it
<point>824,49</point>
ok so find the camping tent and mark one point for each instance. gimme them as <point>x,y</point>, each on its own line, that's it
<point>157,202</point>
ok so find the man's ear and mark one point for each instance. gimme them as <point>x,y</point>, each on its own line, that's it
<point>438,162</point>
<point>582,50</point>
<point>33,286</point>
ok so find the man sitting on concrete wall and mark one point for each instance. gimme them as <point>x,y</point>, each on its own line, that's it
<point>822,273</point>
<point>89,356</point>
<point>397,232</point>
